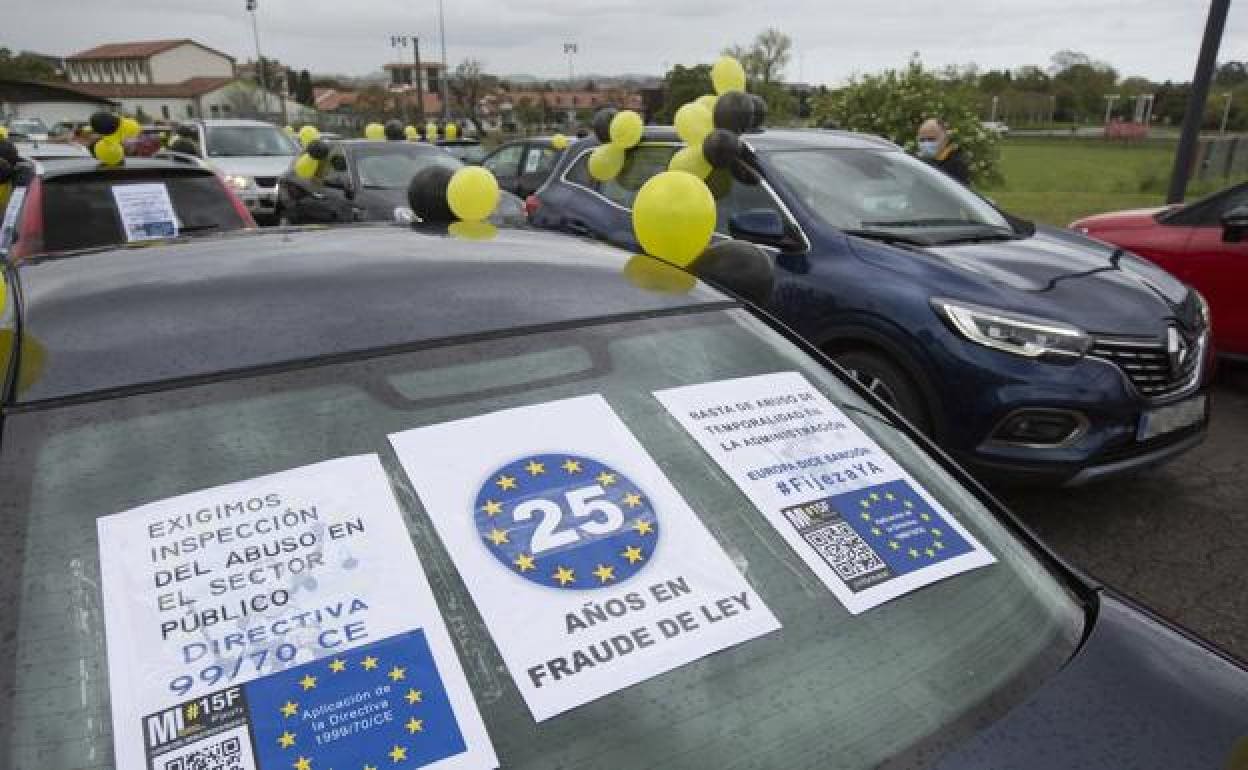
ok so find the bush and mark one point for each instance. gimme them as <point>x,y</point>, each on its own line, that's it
<point>893,105</point>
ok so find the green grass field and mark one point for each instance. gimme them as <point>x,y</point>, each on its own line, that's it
<point>1056,180</point>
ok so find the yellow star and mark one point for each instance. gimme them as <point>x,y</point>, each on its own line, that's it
<point>605,479</point>
<point>492,508</point>
<point>308,681</point>
<point>534,467</point>
<point>643,527</point>
<point>929,552</point>
<point>865,503</point>
<point>415,725</point>
<point>338,666</point>
<point>875,497</point>
<point>935,532</point>
<point>414,696</point>
<point>632,499</point>
<point>925,516</point>
<point>397,673</point>
<point>524,562</point>
<point>290,709</point>
<point>370,767</point>
<point>398,754</point>
<point>302,763</point>
<point>909,504</point>
<point>632,553</point>
<point>913,553</point>
<point>894,544</point>
<point>369,663</point>
<point>865,516</point>
<point>939,546</point>
<point>572,466</point>
<point>506,482</point>
<point>564,576</point>
<point>286,739</point>
<point>889,496</point>
<point>604,573</point>
<point>876,531</point>
<point>497,536</point>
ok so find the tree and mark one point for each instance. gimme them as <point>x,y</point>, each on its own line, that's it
<point>243,98</point>
<point>468,84</point>
<point>292,84</point>
<point>304,93</point>
<point>1231,73</point>
<point>25,66</point>
<point>683,84</point>
<point>765,59</point>
<point>893,105</point>
<point>528,113</point>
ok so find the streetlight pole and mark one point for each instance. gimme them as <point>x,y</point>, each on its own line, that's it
<point>400,41</point>
<point>446,106</point>
<point>1185,155</point>
<point>397,42</point>
<point>1226,112</point>
<point>260,68</point>
<point>569,49</point>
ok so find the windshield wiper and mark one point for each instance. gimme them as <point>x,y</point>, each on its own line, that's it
<point>887,237</point>
<point>935,222</point>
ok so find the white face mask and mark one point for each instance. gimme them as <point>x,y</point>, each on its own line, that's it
<point>928,148</point>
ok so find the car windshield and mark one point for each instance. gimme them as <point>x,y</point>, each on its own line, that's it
<point>900,683</point>
<point>882,191</point>
<point>392,166</point>
<point>468,153</point>
<point>248,141</point>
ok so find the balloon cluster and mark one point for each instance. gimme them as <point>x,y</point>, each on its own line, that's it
<point>462,198</point>
<point>618,131</point>
<point>315,150</point>
<point>111,131</point>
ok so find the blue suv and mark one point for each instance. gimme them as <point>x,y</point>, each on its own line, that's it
<point>1029,353</point>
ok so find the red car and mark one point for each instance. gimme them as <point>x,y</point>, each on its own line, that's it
<point>1204,244</point>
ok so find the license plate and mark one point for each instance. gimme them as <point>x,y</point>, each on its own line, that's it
<point>1170,418</point>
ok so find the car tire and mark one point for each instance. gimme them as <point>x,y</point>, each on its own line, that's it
<point>889,382</point>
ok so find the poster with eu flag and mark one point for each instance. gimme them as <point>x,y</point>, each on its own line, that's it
<point>868,529</point>
<point>588,567</point>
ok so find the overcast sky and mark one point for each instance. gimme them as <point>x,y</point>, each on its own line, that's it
<point>833,39</point>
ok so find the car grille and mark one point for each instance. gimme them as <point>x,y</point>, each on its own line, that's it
<point>1147,364</point>
<point>266,181</point>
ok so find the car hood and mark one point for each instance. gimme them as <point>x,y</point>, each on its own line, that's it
<point>1061,275</point>
<point>1138,694</point>
<point>1132,219</point>
<point>261,165</point>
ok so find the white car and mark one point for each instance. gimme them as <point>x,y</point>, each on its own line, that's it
<point>32,129</point>
<point>251,155</point>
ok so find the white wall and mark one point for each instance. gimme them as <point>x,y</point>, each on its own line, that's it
<point>189,61</point>
<point>151,106</point>
<point>52,113</point>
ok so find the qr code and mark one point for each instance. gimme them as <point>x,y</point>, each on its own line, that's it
<point>846,552</point>
<point>230,750</point>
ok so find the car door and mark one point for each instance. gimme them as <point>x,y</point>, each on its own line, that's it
<point>504,164</point>
<point>1219,270</point>
<point>537,164</point>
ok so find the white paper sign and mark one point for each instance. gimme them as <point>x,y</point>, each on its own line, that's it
<point>146,211</point>
<point>867,529</point>
<point>587,565</point>
<point>287,619</point>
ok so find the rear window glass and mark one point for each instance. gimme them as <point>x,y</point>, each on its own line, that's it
<point>80,212</point>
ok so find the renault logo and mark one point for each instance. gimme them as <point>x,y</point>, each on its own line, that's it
<point>1176,349</point>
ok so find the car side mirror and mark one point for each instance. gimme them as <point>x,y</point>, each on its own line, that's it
<point>1234,224</point>
<point>764,226</point>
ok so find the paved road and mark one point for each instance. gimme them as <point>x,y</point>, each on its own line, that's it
<point>1176,537</point>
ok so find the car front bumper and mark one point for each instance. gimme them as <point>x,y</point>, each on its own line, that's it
<point>260,201</point>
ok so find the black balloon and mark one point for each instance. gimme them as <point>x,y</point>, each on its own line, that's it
<point>318,149</point>
<point>6,171</point>
<point>734,111</point>
<point>740,267</point>
<point>8,151</point>
<point>760,112</point>
<point>105,123</point>
<point>719,182</point>
<point>602,123</point>
<point>721,147</point>
<point>394,131</point>
<point>184,146</point>
<point>426,195</point>
<point>744,173</point>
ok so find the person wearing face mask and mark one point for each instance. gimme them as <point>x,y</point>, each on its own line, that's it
<point>936,149</point>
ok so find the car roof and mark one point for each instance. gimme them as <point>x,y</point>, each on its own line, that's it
<point>113,320</point>
<point>231,122</point>
<point>83,165</point>
<point>772,139</point>
<point>349,143</point>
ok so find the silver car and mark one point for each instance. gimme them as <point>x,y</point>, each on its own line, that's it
<point>250,155</point>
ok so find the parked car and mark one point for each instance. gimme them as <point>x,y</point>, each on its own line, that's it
<point>46,151</point>
<point>523,165</point>
<point>1204,244</point>
<point>74,204</point>
<point>364,180</point>
<point>466,150</point>
<point>250,155</point>
<point>1031,353</point>
<point>29,129</point>
<point>142,391</point>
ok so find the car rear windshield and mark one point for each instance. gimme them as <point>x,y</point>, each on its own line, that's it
<point>79,211</point>
<point>899,683</point>
<point>248,141</point>
<point>392,166</point>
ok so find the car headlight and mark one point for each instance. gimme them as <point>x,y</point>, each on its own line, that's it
<point>238,182</point>
<point>1203,305</point>
<point>1013,332</point>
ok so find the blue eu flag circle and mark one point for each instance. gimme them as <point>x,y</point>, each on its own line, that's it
<point>566,521</point>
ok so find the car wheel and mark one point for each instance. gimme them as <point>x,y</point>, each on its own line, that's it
<point>887,381</point>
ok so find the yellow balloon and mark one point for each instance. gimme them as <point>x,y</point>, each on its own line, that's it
<point>109,151</point>
<point>306,166</point>
<point>452,130</point>
<point>4,289</point>
<point>472,193</point>
<point>674,216</point>
<point>626,129</point>
<point>691,160</point>
<point>129,128</point>
<point>6,189</point>
<point>559,142</point>
<point>693,122</point>
<point>431,131</point>
<point>473,231</point>
<point>606,162</point>
<point>411,133</point>
<point>646,272</point>
<point>708,101</point>
<point>727,74</point>
<point>375,131</point>
<point>308,135</point>
<point>4,132</point>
